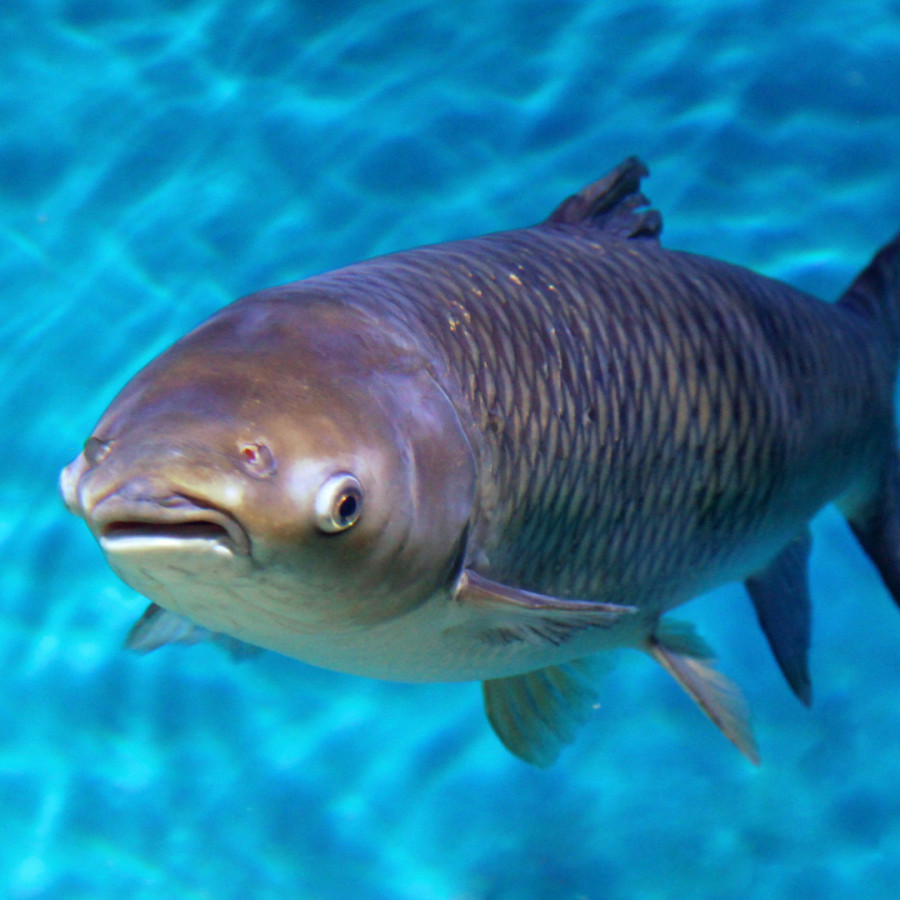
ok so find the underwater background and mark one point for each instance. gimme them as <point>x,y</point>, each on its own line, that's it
<point>160,159</point>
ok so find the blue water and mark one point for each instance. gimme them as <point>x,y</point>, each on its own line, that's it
<point>157,160</point>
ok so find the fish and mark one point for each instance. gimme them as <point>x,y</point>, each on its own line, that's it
<point>496,459</point>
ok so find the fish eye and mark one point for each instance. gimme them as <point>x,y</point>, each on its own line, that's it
<point>257,459</point>
<point>338,503</point>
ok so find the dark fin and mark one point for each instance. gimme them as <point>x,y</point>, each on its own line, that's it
<point>876,291</point>
<point>877,528</point>
<point>157,627</point>
<point>875,294</point>
<point>780,595</point>
<point>507,614</point>
<point>613,204</point>
<point>687,658</point>
<point>535,714</point>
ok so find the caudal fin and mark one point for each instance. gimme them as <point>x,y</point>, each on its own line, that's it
<point>877,526</point>
<point>875,294</point>
<point>876,291</point>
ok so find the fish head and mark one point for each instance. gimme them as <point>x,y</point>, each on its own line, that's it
<point>288,468</point>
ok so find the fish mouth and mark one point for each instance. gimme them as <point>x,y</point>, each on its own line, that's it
<point>175,522</point>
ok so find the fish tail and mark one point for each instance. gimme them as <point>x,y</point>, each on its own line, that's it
<point>875,294</point>
<point>875,516</point>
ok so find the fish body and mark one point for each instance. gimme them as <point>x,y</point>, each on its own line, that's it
<point>492,458</point>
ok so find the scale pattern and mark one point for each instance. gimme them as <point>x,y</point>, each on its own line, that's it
<point>641,414</point>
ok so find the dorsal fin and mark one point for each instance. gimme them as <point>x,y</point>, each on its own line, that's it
<point>613,204</point>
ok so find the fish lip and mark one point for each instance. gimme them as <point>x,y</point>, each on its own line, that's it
<point>115,520</point>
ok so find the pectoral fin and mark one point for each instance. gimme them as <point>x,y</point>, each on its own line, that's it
<point>510,614</point>
<point>687,658</point>
<point>780,595</point>
<point>157,627</point>
<point>535,714</point>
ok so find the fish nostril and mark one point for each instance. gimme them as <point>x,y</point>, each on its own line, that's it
<point>257,459</point>
<point>96,450</point>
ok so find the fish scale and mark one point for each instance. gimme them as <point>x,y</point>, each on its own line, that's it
<point>507,356</point>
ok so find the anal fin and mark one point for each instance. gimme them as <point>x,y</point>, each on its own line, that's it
<point>780,595</point>
<point>535,714</point>
<point>688,659</point>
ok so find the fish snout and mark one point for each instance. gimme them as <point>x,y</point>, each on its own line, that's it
<point>69,479</point>
<point>76,476</point>
<point>136,497</point>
